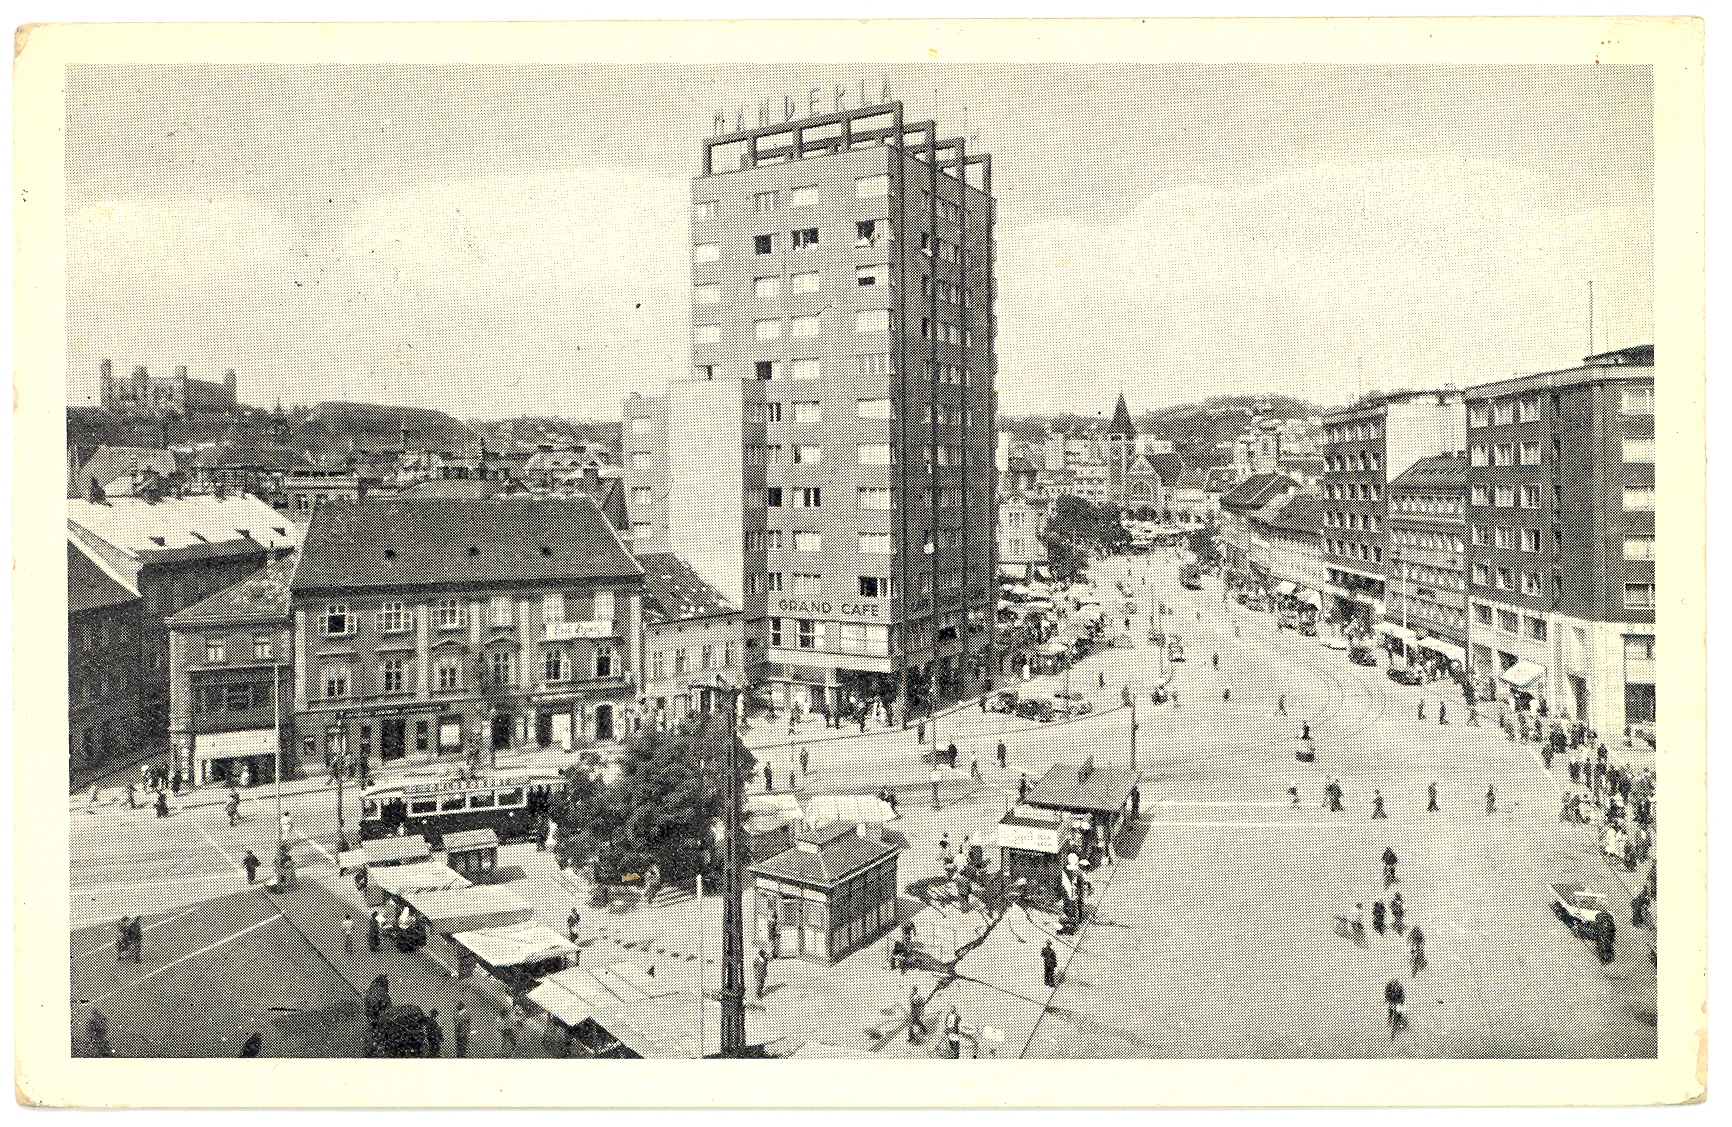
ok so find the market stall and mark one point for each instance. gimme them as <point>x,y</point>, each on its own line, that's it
<point>833,892</point>
<point>405,850</point>
<point>398,881</point>
<point>474,853</point>
<point>449,911</point>
<point>853,809</point>
<point>1098,795</point>
<point>517,954</point>
<point>1029,840</point>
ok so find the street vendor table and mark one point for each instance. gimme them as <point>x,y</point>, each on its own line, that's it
<point>423,876</point>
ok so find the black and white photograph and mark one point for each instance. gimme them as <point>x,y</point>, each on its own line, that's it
<point>879,559</point>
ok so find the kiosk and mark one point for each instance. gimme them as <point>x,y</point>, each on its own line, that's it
<point>474,853</point>
<point>833,892</point>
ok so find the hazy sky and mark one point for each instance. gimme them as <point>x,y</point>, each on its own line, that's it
<point>496,240</point>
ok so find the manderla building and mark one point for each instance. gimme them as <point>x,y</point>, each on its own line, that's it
<point>827,465</point>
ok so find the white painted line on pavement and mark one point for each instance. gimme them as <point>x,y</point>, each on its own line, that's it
<point>1368,823</point>
<point>226,855</point>
<point>319,847</point>
<point>167,966</point>
<point>1242,802</point>
<point>147,927</point>
<point>82,888</point>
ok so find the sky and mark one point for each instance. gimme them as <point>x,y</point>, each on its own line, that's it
<point>493,241</point>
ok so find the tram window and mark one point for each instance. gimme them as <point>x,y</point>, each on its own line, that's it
<point>369,808</point>
<point>481,801</point>
<point>425,806</point>
<point>455,802</point>
<point>512,797</point>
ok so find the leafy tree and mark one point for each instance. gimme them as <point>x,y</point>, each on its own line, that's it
<point>658,804</point>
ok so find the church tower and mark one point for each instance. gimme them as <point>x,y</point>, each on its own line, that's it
<point>1121,450</point>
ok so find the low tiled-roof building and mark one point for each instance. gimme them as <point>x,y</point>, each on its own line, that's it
<point>691,637</point>
<point>1238,506</point>
<point>833,892</point>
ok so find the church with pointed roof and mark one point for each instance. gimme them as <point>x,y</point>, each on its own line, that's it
<point>1136,479</point>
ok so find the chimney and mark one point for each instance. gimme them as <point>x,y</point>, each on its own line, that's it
<point>180,371</point>
<point>229,386</point>
<point>591,477</point>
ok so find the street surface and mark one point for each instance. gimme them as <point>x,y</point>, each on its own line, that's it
<point>1218,933</point>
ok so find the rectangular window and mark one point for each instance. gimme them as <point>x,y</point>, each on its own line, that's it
<point>870,498</point>
<point>706,252</point>
<point>640,496</point>
<point>336,681</point>
<point>336,620</point>
<point>499,610</point>
<point>808,455</point>
<point>1638,401</point>
<point>708,210</point>
<point>391,675</point>
<point>868,232</point>
<point>1639,450</point>
<point>872,321</point>
<point>804,237</point>
<point>262,649</point>
<point>709,293</point>
<point>804,584</point>
<point>1478,416</point>
<point>709,656</point>
<point>604,661</point>
<point>804,196</point>
<point>1506,538</point>
<point>810,633</point>
<point>1478,455</point>
<point>1505,496</point>
<point>450,675</point>
<point>769,286</point>
<point>874,587</point>
<point>1503,412</point>
<point>553,665</point>
<point>1531,584</point>
<point>1503,454</point>
<point>1506,578</point>
<point>1508,621</point>
<point>804,369</point>
<point>1482,614</point>
<point>805,282</point>
<point>772,412</point>
<point>215,651</point>
<point>808,411</point>
<point>1638,647</point>
<point>773,496</point>
<point>871,275</point>
<point>877,543</point>
<point>808,542</point>
<point>1639,498</point>
<point>1536,628</point>
<point>1482,536</point>
<point>806,326</point>
<point>875,364</point>
<point>1638,547</point>
<point>1530,539</point>
<point>1532,496</point>
<point>1481,495</point>
<point>764,201</point>
<point>707,334</point>
<point>876,454</point>
<point>1638,596</point>
<point>767,330</point>
<point>808,496</point>
<point>763,244</point>
<point>871,187</point>
<point>392,619</point>
<point>502,664</point>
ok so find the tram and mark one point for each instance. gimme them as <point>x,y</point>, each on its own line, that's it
<point>513,806</point>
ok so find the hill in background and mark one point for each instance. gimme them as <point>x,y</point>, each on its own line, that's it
<point>1196,430</point>
<point>526,432</point>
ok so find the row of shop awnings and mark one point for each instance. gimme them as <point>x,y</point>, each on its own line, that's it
<point>1523,674</point>
<point>1436,645</point>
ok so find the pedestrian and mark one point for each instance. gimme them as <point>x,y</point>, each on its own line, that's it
<point>761,971</point>
<point>1002,754</point>
<point>805,762</point>
<point>1377,916</point>
<point>572,922</point>
<point>251,864</point>
<point>161,804</point>
<point>983,702</point>
<point>1472,716</point>
<point>1605,932</point>
<point>1442,712</point>
<point>974,765</point>
<point>1281,705</point>
<point>348,934</point>
<point>1388,866</point>
<point>1359,924</point>
<point>1305,731</point>
<point>122,938</point>
<point>1049,964</point>
<point>1490,799</point>
<point>176,783</point>
<point>1293,794</point>
<point>1422,710</point>
<point>1431,798</point>
<point>916,1015</point>
<point>90,803</point>
<point>775,935</point>
<point>507,1031</point>
<point>950,754</point>
<point>435,1035</point>
<point>1217,660</point>
<point>1022,787</point>
<point>96,1034</point>
<point>285,826</point>
<point>1136,797</point>
<point>769,778</point>
<point>1395,996</point>
<point>234,808</point>
<point>1397,910</point>
<point>1227,694</point>
<point>373,931</point>
<point>1416,948</point>
<point>953,1033</point>
<point>920,732</point>
<point>460,1027</point>
<point>1377,804</point>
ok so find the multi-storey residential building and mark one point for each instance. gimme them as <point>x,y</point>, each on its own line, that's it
<point>1561,551</point>
<point>175,551</point>
<point>1364,447</point>
<point>424,627</point>
<point>1427,589</point>
<point>830,464</point>
<point>306,488</point>
<point>1238,506</point>
<point>102,666</point>
<point>225,715</point>
<point>1284,542</point>
<point>693,639</point>
<point>1020,549</point>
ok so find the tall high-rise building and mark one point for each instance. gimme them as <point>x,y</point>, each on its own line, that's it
<point>1560,578</point>
<point>829,461</point>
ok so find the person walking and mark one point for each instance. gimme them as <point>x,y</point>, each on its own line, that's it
<point>805,762</point>
<point>769,778</point>
<point>233,807</point>
<point>1443,712</point>
<point>1049,964</point>
<point>1397,913</point>
<point>435,1034</point>
<point>760,972</point>
<point>1377,916</point>
<point>573,923</point>
<point>162,804</point>
<point>1431,798</point>
<point>1395,997</point>
<point>1491,799</point>
<point>348,934</point>
<point>251,864</point>
<point>950,754</point>
<point>374,931</point>
<point>916,1015</point>
<point>1217,660</point>
<point>285,826</point>
<point>953,1033</point>
<point>1416,949</point>
<point>460,1029</point>
<point>1377,804</point>
<point>1388,866</point>
<point>1021,788</point>
<point>974,765</point>
<point>1359,924</point>
<point>1305,731</point>
<point>1422,710</point>
<point>1281,705</point>
<point>1136,797</point>
<point>1227,694</point>
<point>1003,753</point>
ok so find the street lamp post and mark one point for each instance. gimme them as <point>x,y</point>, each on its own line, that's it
<point>277,727</point>
<point>733,991</point>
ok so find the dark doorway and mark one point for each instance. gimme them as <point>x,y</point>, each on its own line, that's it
<point>543,728</point>
<point>1579,690</point>
<point>501,732</point>
<point>391,739</point>
<point>604,722</point>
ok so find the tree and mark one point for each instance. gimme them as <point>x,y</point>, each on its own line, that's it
<point>658,804</point>
<point>1203,545</point>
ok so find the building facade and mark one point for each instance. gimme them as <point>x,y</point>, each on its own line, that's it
<point>1242,550</point>
<point>1364,448</point>
<point>103,703</point>
<point>1285,543</point>
<point>843,320</point>
<point>693,640</point>
<point>1561,551</point>
<point>1020,549</point>
<point>226,716</point>
<point>1427,590</point>
<point>446,626</point>
<point>179,394</point>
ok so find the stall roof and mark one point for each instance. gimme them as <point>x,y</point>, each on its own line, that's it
<point>1070,787</point>
<point>1054,648</point>
<point>396,850</point>
<point>868,808</point>
<point>1285,587</point>
<point>666,1028</point>
<point>515,944</point>
<point>1447,649</point>
<point>1396,630</point>
<point>823,858</point>
<point>471,839</point>
<point>421,876</point>
<point>469,909</point>
<point>575,993</point>
<point>1523,673</point>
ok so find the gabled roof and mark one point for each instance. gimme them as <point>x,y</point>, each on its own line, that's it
<point>1303,512</point>
<point>112,463</point>
<point>825,857</point>
<point>454,488</point>
<point>673,592</point>
<point>263,595</point>
<point>90,582</point>
<point>1440,471</point>
<point>1220,479</point>
<point>1193,479</point>
<point>1258,490</point>
<point>1168,466</point>
<point>1070,787</point>
<point>393,542</point>
<point>135,526</point>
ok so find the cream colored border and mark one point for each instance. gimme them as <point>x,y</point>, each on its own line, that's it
<point>46,1076</point>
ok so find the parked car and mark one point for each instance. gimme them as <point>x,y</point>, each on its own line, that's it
<point>1333,642</point>
<point>1404,675</point>
<point>1175,648</point>
<point>1308,628</point>
<point>1035,708</point>
<point>1071,704</point>
<point>1362,655</point>
<point>1005,700</point>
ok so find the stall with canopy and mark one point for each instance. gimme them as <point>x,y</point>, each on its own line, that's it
<point>517,954</point>
<point>449,911</point>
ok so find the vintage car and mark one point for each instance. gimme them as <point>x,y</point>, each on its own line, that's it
<point>1578,906</point>
<point>1005,700</point>
<point>1362,655</point>
<point>1405,675</point>
<point>1035,708</point>
<point>1071,704</point>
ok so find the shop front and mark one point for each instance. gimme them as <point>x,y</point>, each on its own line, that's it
<point>1523,680</point>
<point>1029,841</point>
<point>1098,795</point>
<point>833,892</point>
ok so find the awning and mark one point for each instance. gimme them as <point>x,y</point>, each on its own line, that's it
<point>463,840</point>
<point>234,745</point>
<point>666,1028</point>
<point>515,945</point>
<point>470,909</point>
<point>1285,587</point>
<point>576,993</point>
<point>421,876</point>
<point>1523,674</point>
<point>1311,597</point>
<point>1448,649</point>
<point>1397,631</point>
<point>858,808</point>
<point>395,850</point>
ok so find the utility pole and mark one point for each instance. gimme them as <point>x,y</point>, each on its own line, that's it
<point>1133,732</point>
<point>277,726</point>
<point>733,991</point>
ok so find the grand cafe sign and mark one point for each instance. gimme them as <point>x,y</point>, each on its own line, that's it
<point>815,101</point>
